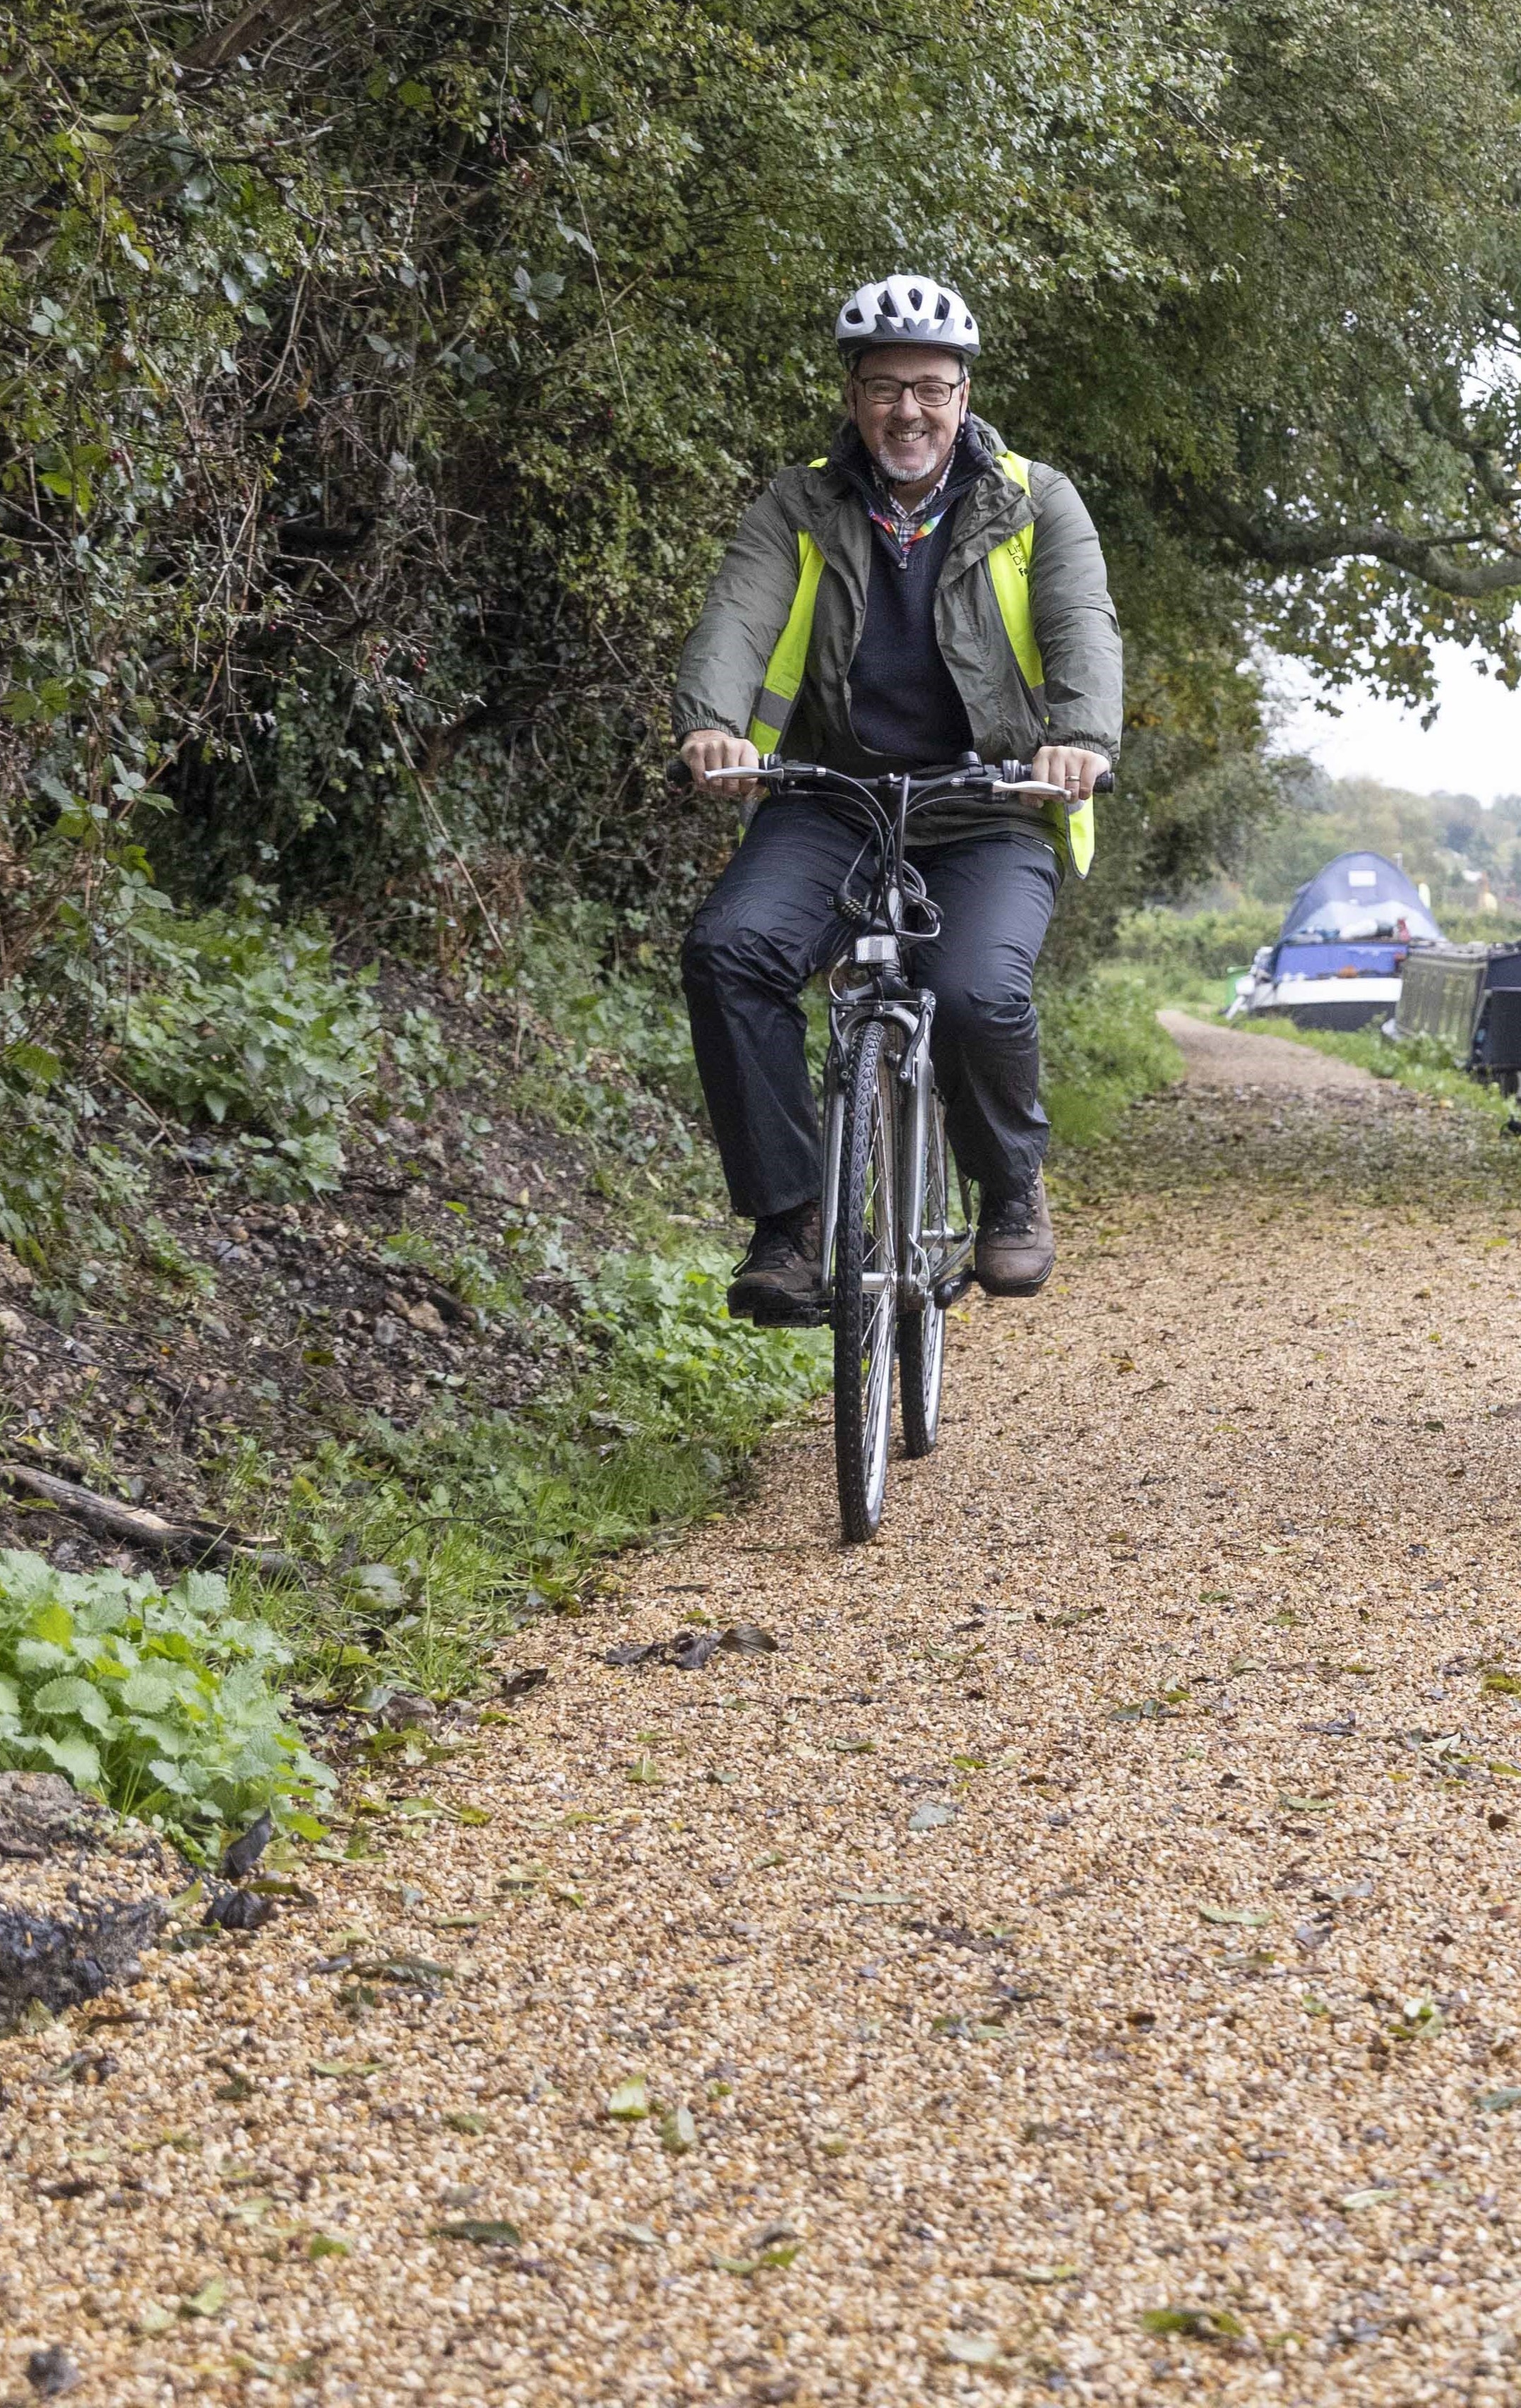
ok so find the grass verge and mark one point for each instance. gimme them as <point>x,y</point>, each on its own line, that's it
<point>1101,1048</point>
<point>433,1543</point>
<point>1417,1061</point>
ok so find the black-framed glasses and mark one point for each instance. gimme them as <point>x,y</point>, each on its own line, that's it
<point>930,392</point>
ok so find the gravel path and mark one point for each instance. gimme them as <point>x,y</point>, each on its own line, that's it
<point>1232,1057</point>
<point>1080,1964</point>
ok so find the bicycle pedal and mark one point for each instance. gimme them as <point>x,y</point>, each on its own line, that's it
<point>949,1290</point>
<point>800,1315</point>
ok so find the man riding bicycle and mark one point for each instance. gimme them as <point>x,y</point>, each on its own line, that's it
<point>920,594</point>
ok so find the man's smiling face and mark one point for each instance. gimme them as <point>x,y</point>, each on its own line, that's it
<point>909,440</point>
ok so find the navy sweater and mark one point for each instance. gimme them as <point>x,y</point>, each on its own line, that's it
<point>906,711</point>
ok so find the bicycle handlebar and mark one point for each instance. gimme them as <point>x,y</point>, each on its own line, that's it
<point>987,776</point>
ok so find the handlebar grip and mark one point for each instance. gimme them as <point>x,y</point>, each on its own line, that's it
<point>1104,785</point>
<point>678,776</point>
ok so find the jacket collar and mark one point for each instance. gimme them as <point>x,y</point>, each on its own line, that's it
<point>992,506</point>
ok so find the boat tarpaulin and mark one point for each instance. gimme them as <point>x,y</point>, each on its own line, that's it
<point>1357,897</point>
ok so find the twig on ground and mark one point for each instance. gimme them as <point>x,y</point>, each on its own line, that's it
<point>189,1542</point>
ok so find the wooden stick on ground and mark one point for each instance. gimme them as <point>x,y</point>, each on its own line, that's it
<point>183,1542</point>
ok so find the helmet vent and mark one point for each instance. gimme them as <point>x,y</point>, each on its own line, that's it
<point>908,309</point>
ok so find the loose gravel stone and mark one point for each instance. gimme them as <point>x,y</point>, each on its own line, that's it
<point>1177,2053</point>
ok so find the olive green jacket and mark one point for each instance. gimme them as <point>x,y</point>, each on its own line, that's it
<point>723,662</point>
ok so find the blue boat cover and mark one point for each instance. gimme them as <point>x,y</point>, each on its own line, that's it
<point>1325,959</point>
<point>1357,897</point>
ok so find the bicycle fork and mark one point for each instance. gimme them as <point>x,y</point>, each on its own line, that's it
<point>912,1073</point>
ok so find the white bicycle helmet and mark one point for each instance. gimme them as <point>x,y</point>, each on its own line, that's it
<point>907,310</point>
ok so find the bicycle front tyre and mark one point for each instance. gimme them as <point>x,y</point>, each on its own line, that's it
<point>865,1282</point>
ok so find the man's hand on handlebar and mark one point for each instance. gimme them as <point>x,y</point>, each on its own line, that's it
<point>1069,766</point>
<point>713,748</point>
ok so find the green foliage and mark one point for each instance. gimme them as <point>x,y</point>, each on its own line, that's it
<point>246,1025</point>
<point>609,1058</point>
<point>1100,1049</point>
<point>378,391</point>
<point>1197,944</point>
<point>163,1703</point>
<point>229,1023</point>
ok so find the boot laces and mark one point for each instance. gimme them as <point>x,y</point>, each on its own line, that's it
<point>1007,1217</point>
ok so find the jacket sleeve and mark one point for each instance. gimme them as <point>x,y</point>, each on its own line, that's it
<point>724,658</point>
<point>1075,626</point>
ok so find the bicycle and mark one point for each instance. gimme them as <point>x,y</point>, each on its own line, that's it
<point>893,1261</point>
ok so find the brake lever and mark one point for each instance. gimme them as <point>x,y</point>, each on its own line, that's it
<point>1030,786</point>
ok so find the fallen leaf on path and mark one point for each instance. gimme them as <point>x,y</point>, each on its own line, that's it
<point>630,2101</point>
<point>781,2253</point>
<point>1248,1914</point>
<point>1495,2102</point>
<point>975,2349</point>
<point>1199,2324</point>
<point>207,2300</point>
<point>678,2131</point>
<point>522,1684</point>
<point>931,1818</point>
<point>748,1638</point>
<point>481,2228</point>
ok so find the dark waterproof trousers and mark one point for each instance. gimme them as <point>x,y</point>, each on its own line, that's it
<point>769,925</point>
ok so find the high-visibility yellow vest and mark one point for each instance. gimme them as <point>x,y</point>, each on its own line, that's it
<point>1008,566</point>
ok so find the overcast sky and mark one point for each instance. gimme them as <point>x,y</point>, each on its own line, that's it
<point>1473,747</point>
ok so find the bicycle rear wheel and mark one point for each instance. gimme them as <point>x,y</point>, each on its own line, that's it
<point>865,1284</point>
<point>921,1336</point>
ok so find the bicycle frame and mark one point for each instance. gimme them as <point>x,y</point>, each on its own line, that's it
<point>866,981</point>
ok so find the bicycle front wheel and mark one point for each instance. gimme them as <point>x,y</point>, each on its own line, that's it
<point>865,1282</point>
<point>921,1336</point>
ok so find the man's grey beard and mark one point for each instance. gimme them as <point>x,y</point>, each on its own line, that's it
<point>910,476</point>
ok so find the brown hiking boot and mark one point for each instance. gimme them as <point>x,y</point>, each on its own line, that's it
<point>778,1278</point>
<point>1015,1248</point>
